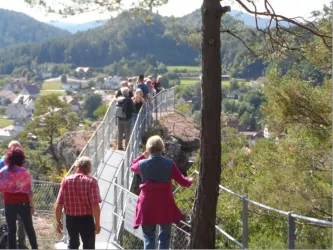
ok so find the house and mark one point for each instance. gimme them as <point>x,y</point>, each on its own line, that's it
<point>7,95</point>
<point>82,70</point>
<point>30,89</point>
<point>252,136</point>
<point>7,135</point>
<point>18,125</point>
<point>100,92</point>
<point>225,77</point>
<point>71,85</point>
<point>71,101</point>
<point>16,84</point>
<point>112,82</point>
<point>45,75</point>
<point>21,107</point>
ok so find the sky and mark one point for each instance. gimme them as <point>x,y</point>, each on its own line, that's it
<point>289,8</point>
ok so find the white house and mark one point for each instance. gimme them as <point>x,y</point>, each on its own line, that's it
<point>6,135</point>
<point>112,82</point>
<point>46,75</point>
<point>21,107</point>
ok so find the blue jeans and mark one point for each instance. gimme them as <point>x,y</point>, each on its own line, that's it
<point>164,236</point>
<point>11,212</point>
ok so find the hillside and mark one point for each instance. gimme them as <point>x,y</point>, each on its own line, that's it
<point>131,38</point>
<point>16,28</point>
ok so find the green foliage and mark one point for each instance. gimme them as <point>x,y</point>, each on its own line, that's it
<point>50,119</point>
<point>100,111</point>
<point>63,79</point>
<point>92,102</point>
<point>18,28</point>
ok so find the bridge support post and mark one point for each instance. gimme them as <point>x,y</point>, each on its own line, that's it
<point>103,142</point>
<point>245,220</point>
<point>115,218</point>
<point>96,147</point>
<point>291,231</point>
<point>156,111</point>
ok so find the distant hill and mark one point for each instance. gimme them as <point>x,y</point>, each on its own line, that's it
<point>125,38</point>
<point>73,28</point>
<point>16,28</point>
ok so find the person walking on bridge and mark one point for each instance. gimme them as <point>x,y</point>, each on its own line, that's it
<point>15,184</point>
<point>21,241</point>
<point>79,196</point>
<point>156,204</point>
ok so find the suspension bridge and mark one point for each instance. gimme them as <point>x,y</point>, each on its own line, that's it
<point>111,169</point>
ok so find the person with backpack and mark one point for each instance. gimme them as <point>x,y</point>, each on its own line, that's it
<point>21,241</point>
<point>15,184</point>
<point>141,85</point>
<point>124,110</point>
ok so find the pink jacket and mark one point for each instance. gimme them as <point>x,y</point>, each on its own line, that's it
<point>156,204</point>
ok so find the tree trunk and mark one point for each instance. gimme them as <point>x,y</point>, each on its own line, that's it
<point>54,155</point>
<point>203,224</point>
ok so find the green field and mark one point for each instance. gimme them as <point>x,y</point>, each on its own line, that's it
<point>48,92</point>
<point>188,68</point>
<point>5,123</point>
<point>189,81</point>
<point>225,83</point>
<point>51,85</point>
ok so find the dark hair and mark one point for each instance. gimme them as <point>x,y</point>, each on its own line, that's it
<point>14,157</point>
<point>141,77</point>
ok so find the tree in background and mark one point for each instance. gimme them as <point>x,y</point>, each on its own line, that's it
<point>50,120</point>
<point>279,41</point>
<point>92,102</point>
<point>63,78</point>
<point>100,111</point>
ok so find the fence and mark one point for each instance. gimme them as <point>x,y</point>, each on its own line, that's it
<point>242,229</point>
<point>161,104</point>
<point>100,141</point>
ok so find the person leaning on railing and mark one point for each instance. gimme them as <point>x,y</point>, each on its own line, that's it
<point>15,184</point>
<point>79,196</point>
<point>156,204</point>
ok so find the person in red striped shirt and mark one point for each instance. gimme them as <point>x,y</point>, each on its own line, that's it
<point>79,196</point>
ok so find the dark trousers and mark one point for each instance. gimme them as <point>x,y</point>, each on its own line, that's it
<point>23,210</point>
<point>83,226</point>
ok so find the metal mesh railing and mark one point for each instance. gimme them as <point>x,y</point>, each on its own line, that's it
<point>245,214</point>
<point>45,195</point>
<point>100,141</point>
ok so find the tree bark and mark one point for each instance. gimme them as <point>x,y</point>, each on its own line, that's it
<point>203,224</point>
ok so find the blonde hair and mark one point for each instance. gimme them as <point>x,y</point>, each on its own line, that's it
<point>155,144</point>
<point>14,143</point>
<point>83,164</point>
<point>138,91</point>
<point>159,78</point>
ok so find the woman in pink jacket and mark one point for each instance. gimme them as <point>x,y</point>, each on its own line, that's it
<point>156,204</point>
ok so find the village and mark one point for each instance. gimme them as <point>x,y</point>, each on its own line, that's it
<point>18,97</point>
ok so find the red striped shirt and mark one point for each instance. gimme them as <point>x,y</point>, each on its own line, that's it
<point>77,193</point>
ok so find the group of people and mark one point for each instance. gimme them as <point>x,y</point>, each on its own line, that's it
<point>79,198</point>
<point>129,104</point>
